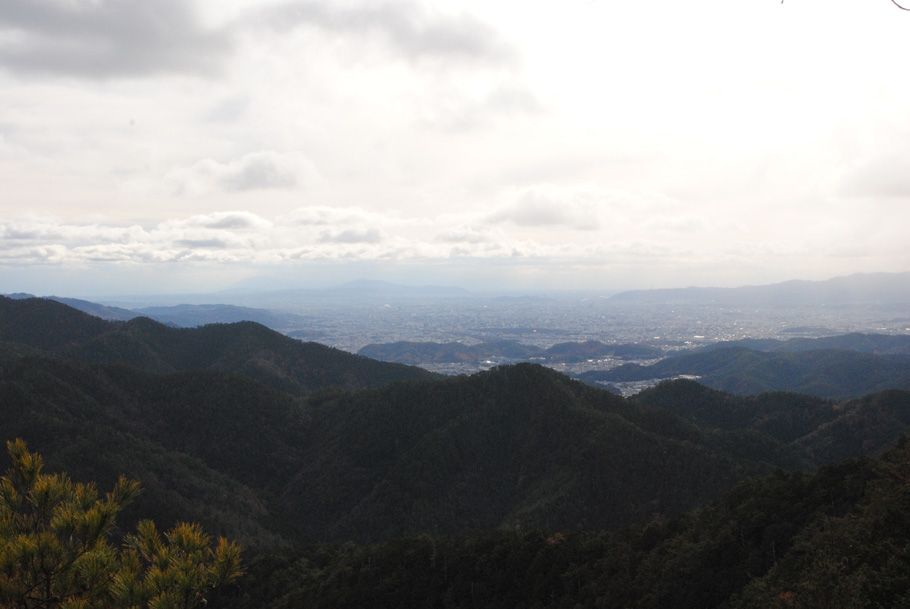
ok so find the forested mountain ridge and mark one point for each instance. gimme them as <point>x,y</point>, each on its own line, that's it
<point>46,324</point>
<point>838,538</point>
<point>220,428</point>
<point>880,344</point>
<point>517,446</point>
<point>819,431</point>
<point>786,417</point>
<point>243,348</point>
<point>198,441</point>
<point>825,373</point>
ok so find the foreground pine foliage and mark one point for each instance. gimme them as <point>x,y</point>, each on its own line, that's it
<point>56,549</point>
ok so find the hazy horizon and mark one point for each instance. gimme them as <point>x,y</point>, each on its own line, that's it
<point>270,285</point>
<point>194,146</point>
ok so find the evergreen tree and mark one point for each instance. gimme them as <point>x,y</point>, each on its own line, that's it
<point>56,549</point>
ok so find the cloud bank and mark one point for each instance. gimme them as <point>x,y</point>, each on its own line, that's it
<point>308,233</point>
<point>138,38</point>
<point>108,38</point>
<point>412,30</point>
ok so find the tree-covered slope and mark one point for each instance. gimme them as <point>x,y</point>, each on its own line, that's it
<point>260,437</point>
<point>243,348</point>
<point>818,431</point>
<point>881,344</point>
<point>838,538</point>
<point>823,373</point>
<point>518,446</point>
<point>46,324</point>
<point>207,446</point>
<point>785,417</point>
<point>863,427</point>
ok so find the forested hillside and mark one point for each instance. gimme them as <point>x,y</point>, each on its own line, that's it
<point>347,477</point>
<point>881,344</point>
<point>828,373</point>
<point>838,538</point>
<point>244,348</point>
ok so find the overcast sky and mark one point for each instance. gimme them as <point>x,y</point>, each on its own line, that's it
<point>170,145</point>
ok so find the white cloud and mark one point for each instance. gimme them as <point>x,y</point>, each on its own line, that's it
<point>225,220</point>
<point>410,28</point>
<point>883,174</point>
<point>243,237</point>
<point>351,235</point>
<point>585,134</point>
<point>323,215</point>
<point>263,170</point>
<point>465,235</point>
<point>550,206</point>
<point>107,38</point>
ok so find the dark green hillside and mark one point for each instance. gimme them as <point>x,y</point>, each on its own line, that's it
<point>46,324</point>
<point>519,446</point>
<point>825,373</point>
<point>509,488</point>
<point>863,427</point>
<point>858,559</point>
<point>880,344</point>
<point>576,352</point>
<point>839,538</point>
<point>186,437</point>
<point>244,348</point>
<point>821,431</point>
<point>515,448</point>
<point>782,416</point>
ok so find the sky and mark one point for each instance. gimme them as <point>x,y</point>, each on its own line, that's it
<point>197,145</point>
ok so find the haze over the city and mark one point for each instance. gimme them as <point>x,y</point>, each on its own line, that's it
<point>178,146</point>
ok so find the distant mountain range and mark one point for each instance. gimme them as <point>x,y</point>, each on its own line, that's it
<point>261,296</point>
<point>859,289</point>
<point>92,308</point>
<point>190,316</point>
